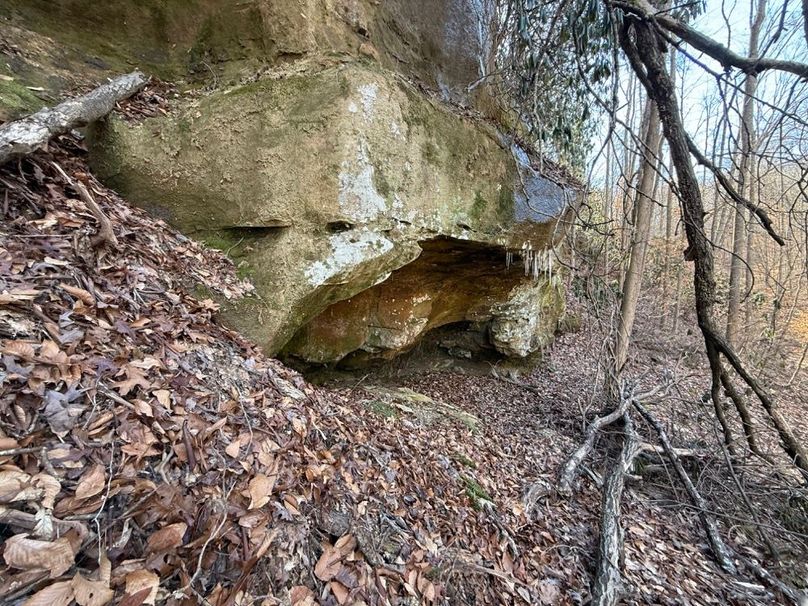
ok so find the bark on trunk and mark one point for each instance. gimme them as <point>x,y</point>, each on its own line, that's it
<point>21,137</point>
<point>739,263</point>
<point>643,213</point>
<point>608,587</point>
<point>650,67</point>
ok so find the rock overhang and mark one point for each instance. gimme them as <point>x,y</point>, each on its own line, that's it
<point>341,172</point>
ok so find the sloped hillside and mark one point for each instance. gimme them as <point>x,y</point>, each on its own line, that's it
<point>150,455</point>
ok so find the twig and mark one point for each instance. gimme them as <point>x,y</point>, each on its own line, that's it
<point>722,553</point>
<point>105,233</point>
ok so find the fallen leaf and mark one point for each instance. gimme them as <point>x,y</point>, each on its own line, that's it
<point>55,594</point>
<point>84,296</point>
<point>16,485</point>
<point>260,490</point>
<point>50,487</point>
<point>329,563</point>
<point>138,580</point>
<point>340,591</point>
<point>91,593</point>
<point>26,554</point>
<point>91,483</point>
<point>167,538</point>
<point>134,378</point>
<point>300,595</point>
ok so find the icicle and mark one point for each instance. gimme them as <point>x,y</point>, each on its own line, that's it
<point>526,257</point>
<point>508,259</point>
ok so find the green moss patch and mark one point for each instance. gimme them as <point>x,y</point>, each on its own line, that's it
<point>16,100</point>
<point>476,493</point>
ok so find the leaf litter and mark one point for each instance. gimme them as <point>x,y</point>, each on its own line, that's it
<point>150,455</point>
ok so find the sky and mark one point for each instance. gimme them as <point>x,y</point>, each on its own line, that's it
<point>728,22</point>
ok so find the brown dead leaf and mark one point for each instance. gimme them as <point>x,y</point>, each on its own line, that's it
<point>329,563</point>
<point>91,593</point>
<point>167,538</point>
<point>16,485</point>
<point>260,490</point>
<point>26,554</point>
<point>135,599</point>
<point>82,295</point>
<point>233,449</point>
<point>24,350</point>
<point>55,594</point>
<point>300,595</point>
<point>50,487</point>
<point>91,482</point>
<point>340,591</point>
<point>138,580</point>
<point>164,397</point>
<point>134,378</point>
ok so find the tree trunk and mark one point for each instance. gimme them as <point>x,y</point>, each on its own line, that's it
<point>651,67</point>
<point>23,136</point>
<point>740,246</point>
<point>644,208</point>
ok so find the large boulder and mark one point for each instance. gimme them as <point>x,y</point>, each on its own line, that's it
<point>366,212</point>
<point>345,153</point>
<point>56,45</point>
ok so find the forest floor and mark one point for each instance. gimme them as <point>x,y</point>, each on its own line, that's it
<point>150,455</point>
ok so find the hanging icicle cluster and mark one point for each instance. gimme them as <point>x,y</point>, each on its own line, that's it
<point>536,262</point>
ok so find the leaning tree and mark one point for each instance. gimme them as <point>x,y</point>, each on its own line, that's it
<point>558,58</point>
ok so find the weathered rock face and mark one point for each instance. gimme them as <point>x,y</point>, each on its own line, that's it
<point>366,210</point>
<point>334,186</point>
<point>53,44</point>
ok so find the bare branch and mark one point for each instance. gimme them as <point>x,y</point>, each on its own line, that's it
<point>707,45</point>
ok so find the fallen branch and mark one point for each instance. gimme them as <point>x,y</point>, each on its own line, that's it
<point>721,552</point>
<point>569,472</point>
<point>608,580</point>
<point>21,137</point>
<point>105,233</point>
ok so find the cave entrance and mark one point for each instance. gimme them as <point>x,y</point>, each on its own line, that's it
<point>448,292</point>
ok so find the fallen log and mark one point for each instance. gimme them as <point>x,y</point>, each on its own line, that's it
<point>21,137</point>
<point>569,472</point>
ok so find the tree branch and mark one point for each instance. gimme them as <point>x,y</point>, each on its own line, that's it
<point>761,214</point>
<point>707,45</point>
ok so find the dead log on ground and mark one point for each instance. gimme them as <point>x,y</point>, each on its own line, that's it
<point>569,472</point>
<point>608,587</point>
<point>21,137</point>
